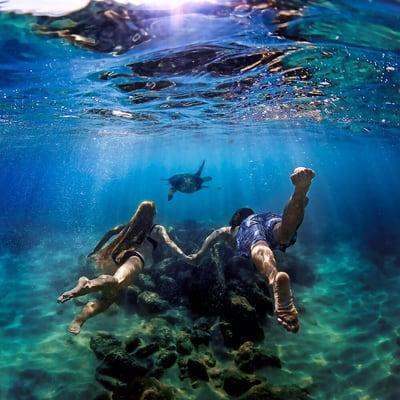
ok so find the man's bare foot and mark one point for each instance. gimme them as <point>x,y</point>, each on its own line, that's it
<point>285,309</point>
<point>70,294</point>
<point>75,327</point>
<point>301,178</point>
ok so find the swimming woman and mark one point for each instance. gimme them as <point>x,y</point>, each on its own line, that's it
<point>256,236</point>
<point>120,261</point>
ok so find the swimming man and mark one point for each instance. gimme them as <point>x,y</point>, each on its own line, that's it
<point>257,236</point>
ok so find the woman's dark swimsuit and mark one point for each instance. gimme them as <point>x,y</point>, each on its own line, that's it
<point>133,253</point>
<point>259,227</point>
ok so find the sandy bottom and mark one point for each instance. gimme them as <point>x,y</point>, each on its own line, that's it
<point>348,346</point>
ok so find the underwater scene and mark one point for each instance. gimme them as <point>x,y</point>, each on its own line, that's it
<point>131,131</point>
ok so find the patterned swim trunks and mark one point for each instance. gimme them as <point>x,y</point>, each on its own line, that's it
<point>258,227</point>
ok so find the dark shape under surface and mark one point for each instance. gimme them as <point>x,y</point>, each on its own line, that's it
<point>187,183</point>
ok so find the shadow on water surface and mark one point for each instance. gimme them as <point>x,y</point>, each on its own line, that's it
<point>275,60</point>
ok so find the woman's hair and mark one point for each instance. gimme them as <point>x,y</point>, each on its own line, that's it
<point>239,216</point>
<point>134,233</point>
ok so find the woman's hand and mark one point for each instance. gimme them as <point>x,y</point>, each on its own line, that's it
<point>193,259</point>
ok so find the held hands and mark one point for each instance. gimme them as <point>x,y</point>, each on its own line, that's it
<point>192,259</point>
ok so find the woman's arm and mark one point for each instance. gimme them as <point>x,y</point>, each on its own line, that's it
<point>211,239</point>
<point>163,234</point>
<point>114,231</point>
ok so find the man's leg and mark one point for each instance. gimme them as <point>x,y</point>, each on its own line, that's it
<point>125,273</point>
<point>285,310</point>
<point>294,211</point>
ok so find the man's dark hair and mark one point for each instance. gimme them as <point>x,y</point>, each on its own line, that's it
<point>239,216</point>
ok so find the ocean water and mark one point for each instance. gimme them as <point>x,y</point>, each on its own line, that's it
<point>96,110</point>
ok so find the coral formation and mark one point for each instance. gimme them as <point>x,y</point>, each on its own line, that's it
<point>202,312</point>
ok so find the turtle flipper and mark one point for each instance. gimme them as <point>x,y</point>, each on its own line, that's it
<point>200,170</point>
<point>171,193</point>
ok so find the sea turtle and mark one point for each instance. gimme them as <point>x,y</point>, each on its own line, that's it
<point>187,183</point>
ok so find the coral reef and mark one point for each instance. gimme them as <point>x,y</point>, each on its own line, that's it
<point>202,312</point>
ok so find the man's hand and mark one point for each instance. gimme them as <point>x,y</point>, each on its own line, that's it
<point>301,178</point>
<point>192,259</point>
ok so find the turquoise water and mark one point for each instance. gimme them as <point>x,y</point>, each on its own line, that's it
<point>253,95</point>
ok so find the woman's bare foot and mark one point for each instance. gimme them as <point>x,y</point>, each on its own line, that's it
<point>285,309</point>
<point>75,327</point>
<point>77,290</point>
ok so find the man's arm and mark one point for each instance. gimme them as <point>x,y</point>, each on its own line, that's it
<point>163,234</point>
<point>114,231</point>
<point>211,239</point>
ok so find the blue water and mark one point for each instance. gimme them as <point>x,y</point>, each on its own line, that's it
<point>78,153</point>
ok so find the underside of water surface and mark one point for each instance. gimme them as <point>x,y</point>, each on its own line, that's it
<point>102,102</point>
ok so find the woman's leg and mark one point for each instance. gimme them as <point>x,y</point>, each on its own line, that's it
<point>85,286</point>
<point>123,276</point>
<point>285,310</point>
<point>91,309</point>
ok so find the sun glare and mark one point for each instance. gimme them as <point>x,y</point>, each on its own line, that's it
<point>50,7</point>
<point>164,3</point>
